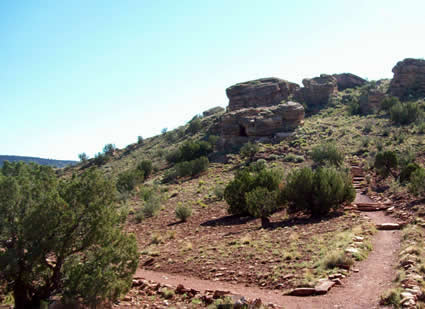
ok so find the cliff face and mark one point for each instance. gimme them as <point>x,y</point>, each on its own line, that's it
<point>409,79</point>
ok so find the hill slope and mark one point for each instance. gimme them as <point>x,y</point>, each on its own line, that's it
<point>41,161</point>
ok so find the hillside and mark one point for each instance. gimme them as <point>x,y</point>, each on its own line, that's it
<point>41,161</point>
<point>205,238</point>
<point>362,119</point>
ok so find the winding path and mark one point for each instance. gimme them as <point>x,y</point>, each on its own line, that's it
<point>360,290</point>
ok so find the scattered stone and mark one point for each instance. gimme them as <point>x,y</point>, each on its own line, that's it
<point>219,294</point>
<point>388,226</point>
<point>149,262</point>
<point>302,292</point>
<point>356,270</point>
<point>352,250</point>
<point>180,289</point>
<point>324,286</point>
<point>358,238</point>
<point>337,281</point>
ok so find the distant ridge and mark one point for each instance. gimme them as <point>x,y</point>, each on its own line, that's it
<point>41,161</point>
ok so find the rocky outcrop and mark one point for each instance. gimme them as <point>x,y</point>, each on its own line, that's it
<point>213,111</point>
<point>238,126</point>
<point>317,91</point>
<point>348,80</point>
<point>409,79</point>
<point>370,102</point>
<point>259,93</point>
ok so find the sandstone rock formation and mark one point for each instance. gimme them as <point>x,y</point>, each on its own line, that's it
<point>240,125</point>
<point>317,91</point>
<point>259,93</point>
<point>370,102</point>
<point>213,111</point>
<point>348,80</point>
<point>409,78</point>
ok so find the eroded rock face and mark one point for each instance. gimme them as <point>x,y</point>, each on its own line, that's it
<point>348,80</point>
<point>259,93</point>
<point>409,78</point>
<point>317,90</point>
<point>370,102</point>
<point>262,121</point>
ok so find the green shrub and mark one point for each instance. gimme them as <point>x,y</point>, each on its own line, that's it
<point>385,162</point>
<point>191,168</point>
<point>368,126</point>
<point>262,203</point>
<point>336,259</point>
<point>219,192</point>
<point>194,125</point>
<point>417,182</point>
<point>290,157</point>
<point>318,192</point>
<point>151,206</point>
<point>327,153</point>
<point>245,181</point>
<point>190,151</point>
<point>183,212</point>
<point>407,171</point>
<point>129,179</point>
<point>406,113</point>
<point>388,103</point>
<point>146,167</point>
<point>249,150</point>
<point>101,159</point>
<point>83,157</point>
<point>139,140</point>
<point>354,108</point>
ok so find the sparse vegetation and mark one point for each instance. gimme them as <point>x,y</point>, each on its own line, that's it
<point>327,153</point>
<point>183,212</point>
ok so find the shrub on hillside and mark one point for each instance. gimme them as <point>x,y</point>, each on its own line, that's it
<point>194,125</point>
<point>407,171</point>
<point>249,150</point>
<point>191,168</point>
<point>127,180</point>
<point>385,162</point>
<point>139,140</point>
<point>190,151</point>
<point>146,167</point>
<point>327,153</point>
<point>417,182</point>
<point>318,192</point>
<point>246,181</point>
<point>83,157</point>
<point>183,212</point>
<point>101,159</point>
<point>388,103</point>
<point>354,108</point>
<point>109,149</point>
<point>406,113</point>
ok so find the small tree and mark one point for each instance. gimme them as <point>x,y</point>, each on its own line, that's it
<point>139,140</point>
<point>164,130</point>
<point>385,162</point>
<point>62,238</point>
<point>246,181</point>
<point>318,192</point>
<point>83,157</point>
<point>109,149</point>
<point>417,182</point>
<point>194,125</point>
<point>262,203</point>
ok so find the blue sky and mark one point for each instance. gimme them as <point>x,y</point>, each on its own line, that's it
<point>76,75</point>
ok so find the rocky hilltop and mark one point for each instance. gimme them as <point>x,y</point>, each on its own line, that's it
<point>409,79</point>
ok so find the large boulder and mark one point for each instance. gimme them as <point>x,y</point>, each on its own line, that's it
<point>262,121</point>
<point>317,90</point>
<point>259,93</point>
<point>370,101</point>
<point>409,79</point>
<point>348,80</point>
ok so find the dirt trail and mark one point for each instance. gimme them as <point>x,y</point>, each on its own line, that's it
<point>360,290</point>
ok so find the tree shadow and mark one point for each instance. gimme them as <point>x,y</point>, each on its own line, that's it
<point>175,223</point>
<point>304,220</point>
<point>228,221</point>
